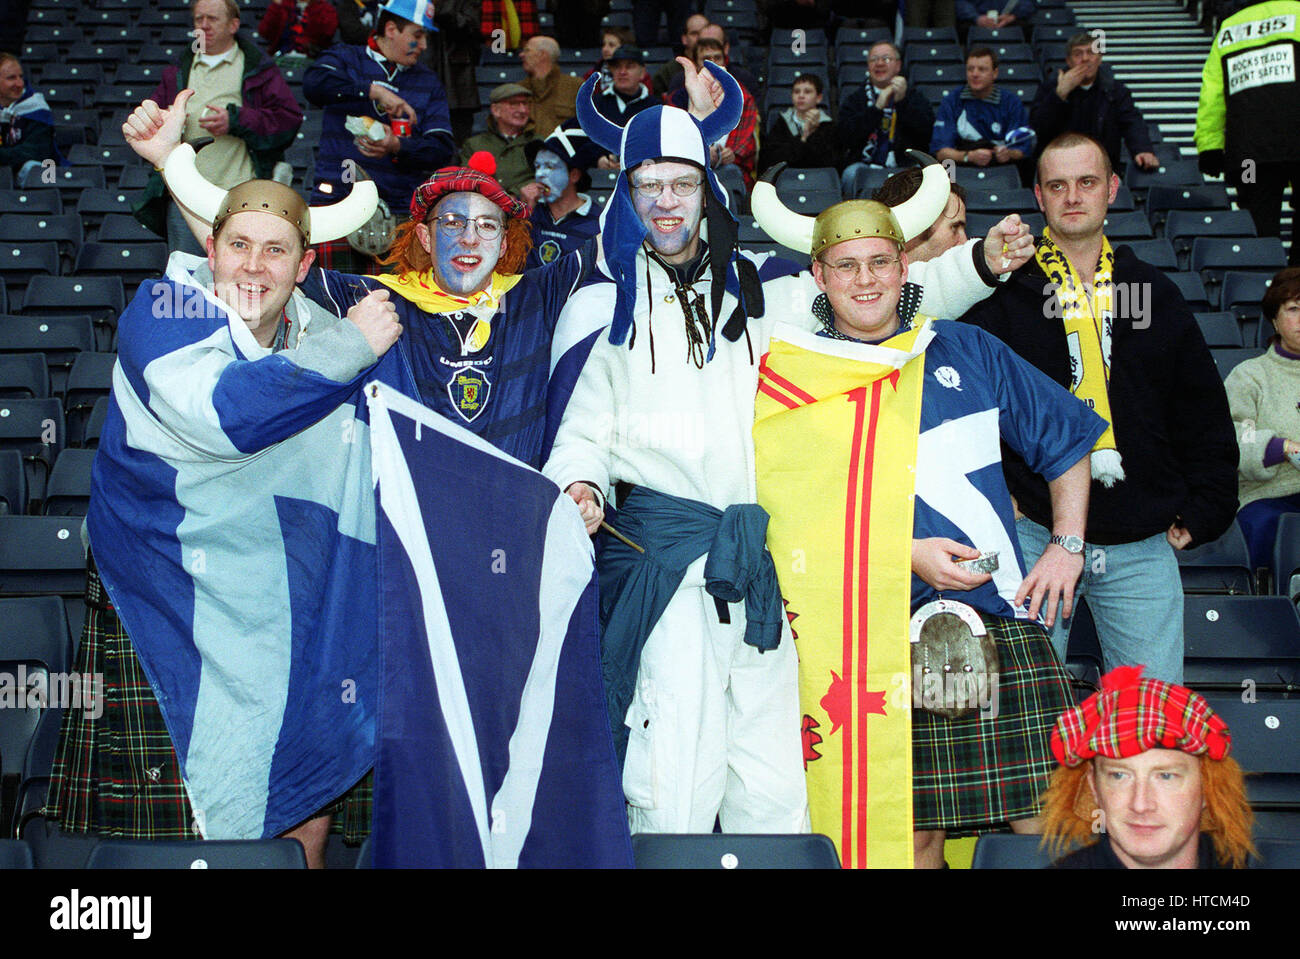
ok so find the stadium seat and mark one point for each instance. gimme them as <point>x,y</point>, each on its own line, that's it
<point>1221,567</point>
<point>810,39</point>
<point>497,74</point>
<point>1162,199</point>
<point>1286,556</point>
<point>28,678</point>
<point>1230,639</point>
<point>1243,293</point>
<point>808,190</point>
<point>20,262</point>
<point>1226,360</point>
<point>810,59</point>
<point>24,376</point>
<point>67,178</point>
<point>90,378</point>
<point>1000,201</point>
<point>732,851</point>
<point>1220,330</point>
<point>91,74</point>
<point>1127,226</point>
<point>1276,853</point>
<point>35,429</point>
<point>41,556</point>
<point>100,49</point>
<point>1010,851</point>
<point>95,425</point>
<point>31,201</point>
<point>1192,290</point>
<point>784,75</point>
<point>933,52</point>
<point>1182,227</point>
<point>922,35</point>
<point>15,854</point>
<point>1159,253</point>
<point>93,205</point>
<point>134,178</point>
<point>13,483</point>
<point>120,228</point>
<point>163,53</point>
<point>134,264</point>
<point>67,492</point>
<point>1182,173</point>
<point>110,158</point>
<point>948,74</point>
<point>60,338</point>
<point>1083,656</point>
<point>992,36</point>
<point>139,74</point>
<point>100,297</point>
<point>51,847</point>
<point>198,854</point>
<point>64,230</point>
<point>1212,257</point>
<point>979,224</point>
<point>34,628</point>
<point>1266,742</point>
<point>998,177</point>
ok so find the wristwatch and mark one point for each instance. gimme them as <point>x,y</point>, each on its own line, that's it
<point>1071,544</point>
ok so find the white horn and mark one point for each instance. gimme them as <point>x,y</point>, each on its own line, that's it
<point>347,216</point>
<point>790,229</point>
<point>917,214</point>
<point>191,188</point>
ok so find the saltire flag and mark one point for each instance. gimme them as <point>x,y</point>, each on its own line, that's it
<point>835,437</point>
<point>493,746</point>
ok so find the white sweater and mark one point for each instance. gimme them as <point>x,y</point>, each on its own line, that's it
<point>1264,399</point>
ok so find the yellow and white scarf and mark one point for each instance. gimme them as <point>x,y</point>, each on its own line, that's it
<point>1088,314</point>
<point>423,290</point>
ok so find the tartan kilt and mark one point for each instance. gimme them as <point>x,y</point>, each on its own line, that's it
<point>981,771</point>
<point>118,776</point>
<point>338,255</point>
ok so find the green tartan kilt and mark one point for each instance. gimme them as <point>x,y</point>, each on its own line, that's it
<point>118,775</point>
<point>973,773</point>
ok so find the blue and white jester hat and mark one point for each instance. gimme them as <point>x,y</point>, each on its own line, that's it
<point>670,133</point>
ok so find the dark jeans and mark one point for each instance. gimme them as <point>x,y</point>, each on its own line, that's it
<point>1263,199</point>
<point>1258,522</point>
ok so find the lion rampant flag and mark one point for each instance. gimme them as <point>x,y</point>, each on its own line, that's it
<point>835,436</point>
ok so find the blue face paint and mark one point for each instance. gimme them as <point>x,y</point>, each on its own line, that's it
<point>552,173</point>
<point>672,222</point>
<point>463,262</point>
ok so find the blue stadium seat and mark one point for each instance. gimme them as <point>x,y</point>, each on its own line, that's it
<point>1221,567</point>
<point>34,628</point>
<point>1182,227</point>
<point>1123,199</point>
<point>41,556</point>
<point>1220,330</point>
<point>21,262</point>
<point>1127,226</point>
<point>69,178</point>
<point>24,376</point>
<point>1193,291</point>
<point>1243,293</point>
<point>60,338</point>
<point>1212,257</point>
<point>1230,639</point>
<point>1010,851</point>
<point>991,36</point>
<point>784,75</point>
<point>31,201</point>
<point>997,177</point>
<point>67,492</point>
<point>1277,853</point>
<point>1000,201</point>
<point>808,191</point>
<point>1226,360</point>
<point>950,74</point>
<point>18,721</point>
<point>70,73</point>
<point>90,378</point>
<point>810,39</point>
<point>731,851</point>
<point>979,224</point>
<point>93,205</point>
<point>862,36</point>
<point>100,297</point>
<point>1182,173</point>
<point>1083,656</point>
<point>13,483</point>
<point>119,228</point>
<point>35,429</point>
<point>1266,742</point>
<point>1286,556</point>
<point>198,854</point>
<point>1159,253</point>
<point>138,74</point>
<point>64,230</point>
<point>811,59</point>
<point>134,264</point>
<point>922,35</point>
<point>95,425</point>
<point>15,854</point>
<point>933,52</point>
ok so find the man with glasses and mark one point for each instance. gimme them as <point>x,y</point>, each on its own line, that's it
<point>937,494</point>
<point>879,122</point>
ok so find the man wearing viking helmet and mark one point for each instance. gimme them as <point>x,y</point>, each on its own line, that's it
<point>877,439</point>
<point>219,476</point>
<point>700,679</point>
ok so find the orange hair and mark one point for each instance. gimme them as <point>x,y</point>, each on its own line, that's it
<point>1070,812</point>
<point>408,255</point>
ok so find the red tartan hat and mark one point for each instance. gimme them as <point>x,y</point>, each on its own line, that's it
<point>1130,715</point>
<point>475,178</point>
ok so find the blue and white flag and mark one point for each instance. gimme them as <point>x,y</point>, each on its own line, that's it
<point>493,744</point>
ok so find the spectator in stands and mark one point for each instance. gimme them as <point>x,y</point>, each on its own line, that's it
<point>508,21</point>
<point>1262,397</point>
<point>187,445</point>
<point>563,218</point>
<point>670,71</point>
<point>610,40</point>
<point>930,13</point>
<point>1165,473</point>
<point>510,130</point>
<point>628,96</point>
<point>975,13</point>
<point>452,54</point>
<point>945,233</point>
<point>26,124</point>
<point>1145,781</point>
<point>305,27</point>
<point>646,15</point>
<point>879,122</point>
<point>1250,133</point>
<point>797,14</point>
<point>981,124</point>
<point>803,134</point>
<point>357,20</point>
<point>382,81</point>
<point>734,159</point>
<point>240,98</point>
<point>715,32</point>
<point>554,93</point>
<point>1088,100</point>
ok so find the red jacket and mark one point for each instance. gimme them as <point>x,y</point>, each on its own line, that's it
<point>309,33</point>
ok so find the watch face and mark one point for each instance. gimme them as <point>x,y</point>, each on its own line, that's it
<point>1071,544</point>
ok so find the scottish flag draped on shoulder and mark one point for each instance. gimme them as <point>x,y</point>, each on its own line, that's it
<point>232,522</point>
<point>489,658</point>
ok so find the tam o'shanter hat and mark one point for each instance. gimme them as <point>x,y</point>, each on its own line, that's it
<point>672,134</point>
<point>211,204</point>
<point>1131,715</point>
<point>852,219</point>
<point>475,177</point>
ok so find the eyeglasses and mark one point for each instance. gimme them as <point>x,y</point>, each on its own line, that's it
<point>881,267</point>
<point>881,58</point>
<point>453,224</point>
<point>651,189</point>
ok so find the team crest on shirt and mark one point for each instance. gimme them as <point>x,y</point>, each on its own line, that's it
<point>548,251</point>
<point>469,388</point>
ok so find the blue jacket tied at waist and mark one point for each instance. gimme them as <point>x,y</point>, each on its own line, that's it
<point>635,588</point>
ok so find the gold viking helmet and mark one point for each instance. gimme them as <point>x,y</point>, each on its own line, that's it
<point>852,219</point>
<point>212,204</point>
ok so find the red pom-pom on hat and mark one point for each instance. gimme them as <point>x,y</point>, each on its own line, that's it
<point>484,162</point>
